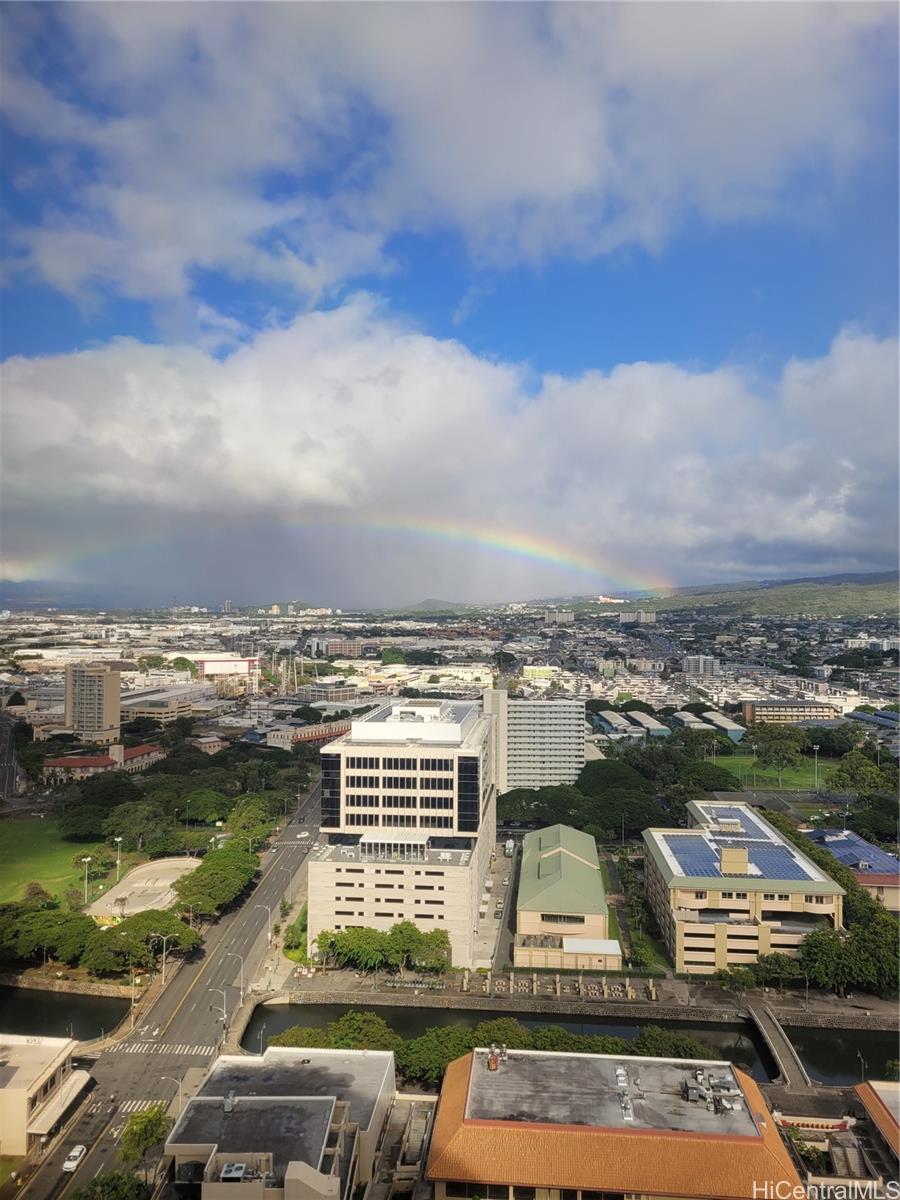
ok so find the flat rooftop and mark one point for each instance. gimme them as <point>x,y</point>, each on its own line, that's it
<point>24,1059</point>
<point>291,1129</point>
<point>354,1076</point>
<point>394,846</point>
<point>588,1090</point>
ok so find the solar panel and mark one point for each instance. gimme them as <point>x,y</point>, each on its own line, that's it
<point>777,862</point>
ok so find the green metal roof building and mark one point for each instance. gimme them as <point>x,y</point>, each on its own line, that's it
<point>560,873</point>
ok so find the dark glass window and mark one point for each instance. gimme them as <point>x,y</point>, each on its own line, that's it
<point>467,794</point>
<point>331,791</point>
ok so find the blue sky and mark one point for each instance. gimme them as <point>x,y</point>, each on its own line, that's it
<point>533,200</point>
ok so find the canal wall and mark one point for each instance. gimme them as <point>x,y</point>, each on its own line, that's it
<point>79,987</point>
<point>879,1022</point>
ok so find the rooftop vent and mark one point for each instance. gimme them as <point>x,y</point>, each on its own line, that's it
<point>233,1172</point>
<point>228,1102</point>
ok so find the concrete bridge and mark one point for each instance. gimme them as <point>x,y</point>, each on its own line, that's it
<point>790,1068</point>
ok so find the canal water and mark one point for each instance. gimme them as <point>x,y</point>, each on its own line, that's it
<point>736,1043</point>
<point>58,1014</point>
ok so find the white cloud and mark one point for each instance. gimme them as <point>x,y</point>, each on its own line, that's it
<point>349,416</point>
<point>288,143</point>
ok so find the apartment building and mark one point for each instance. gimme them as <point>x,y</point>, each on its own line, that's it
<point>344,648</point>
<point>562,918</point>
<point>559,616</point>
<point>731,888</point>
<point>539,743</point>
<point>37,1088</point>
<point>92,710</point>
<point>408,822</point>
<point>539,1125</point>
<point>290,1124</point>
<point>641,617</point>
<point>787,712</point>
<point>702,665</point>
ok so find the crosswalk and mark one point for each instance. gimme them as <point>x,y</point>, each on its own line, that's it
<point>164,1048</point>
<point>133,1106</point>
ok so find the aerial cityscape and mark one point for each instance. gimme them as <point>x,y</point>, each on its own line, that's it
<point>449,633</point>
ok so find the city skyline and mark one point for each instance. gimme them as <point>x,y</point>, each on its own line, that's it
<point>473,302</point>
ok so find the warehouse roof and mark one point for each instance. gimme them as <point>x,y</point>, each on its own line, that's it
<point>560,872</point>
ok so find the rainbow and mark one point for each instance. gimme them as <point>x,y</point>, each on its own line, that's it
<point>602,568</point>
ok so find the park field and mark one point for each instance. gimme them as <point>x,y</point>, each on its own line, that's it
<point>32,850</point>
<point>800,778</point>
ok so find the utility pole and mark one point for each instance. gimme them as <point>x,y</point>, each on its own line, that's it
<point>170,1079</point>
<point>118,842</point>
<point>87,861</point>
<point>231,954</point>
<point>165,939</point>
<point>816,753</point>
<point>268,921</point>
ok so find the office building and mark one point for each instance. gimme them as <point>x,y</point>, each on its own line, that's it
<point>328,692</point>
<point>874,869</point>
<point>344,648</point>
<point>513,1124</point>
<point>562,918</point>
<point>786,712</point>
<point>640,617</point>
<point>724,724</point>
<point>291,1124</point>
<point>732,888</point>
<point>539,743</point>
<point>164,704</point>
<point>92,702</point>
<point>408,822</point>
<point>703,665</point>
<point>37,1088</point>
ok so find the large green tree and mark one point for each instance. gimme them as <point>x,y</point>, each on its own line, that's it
<point>114,1185</point>
<point>142,1133</point>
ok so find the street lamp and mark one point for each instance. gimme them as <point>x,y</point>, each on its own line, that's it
<point>261,1032</point>
<point>863,1066</point>
<point>170,1079</point>
<point>231,954</point>
<point>118,842</point>
<point>165,939</point>
<point>249,842</point>
<point>816,752</point>
<point>87,861</point>
<point>222,993</point>
<point>268,909</point>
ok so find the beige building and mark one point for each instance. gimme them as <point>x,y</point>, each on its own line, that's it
<point>732,888</point>
<point>562,919</point>
<point>291,1124</point>
<point>538,1125</point>
<point>92,702</point>
<point>37,1088</point>
<point>164,705</point>
<point>787,712</point>
<point>408,822</point>
<point>83,766</point>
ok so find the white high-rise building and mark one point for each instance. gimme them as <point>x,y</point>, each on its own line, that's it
<point>700,664</point>
<point>540,743</point>
<point>408,822</point>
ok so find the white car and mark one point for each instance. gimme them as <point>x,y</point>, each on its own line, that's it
<point>74,1158</point>
<point>303,835</point>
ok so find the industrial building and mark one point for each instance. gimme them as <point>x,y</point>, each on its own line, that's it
<point>37,1088</point>
<point>513,1124</point>
<point>408,822</point>
<point>786,712</point>
<point>875,870</point>
<point>92,709</point>
<point>689,720</point>
<point>614,724</point>
<point>164,704</point>
<point>650,725</point>
<point>732,888</point>
<point>291,1124</point>
<point>562,918</point>
<point>539,743</point>
<point>724,724</point>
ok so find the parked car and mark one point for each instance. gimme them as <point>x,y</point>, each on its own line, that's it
<point>74,1157</point>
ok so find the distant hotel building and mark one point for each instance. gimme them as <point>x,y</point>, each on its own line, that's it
<point>539,743</point>
<point>641,617</point>
<point>408,822</point>
<point>786,712</point>
<point>92,702</point>
<point>732,888</point>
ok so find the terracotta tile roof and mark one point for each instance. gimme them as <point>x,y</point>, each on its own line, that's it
<point>140,751</point>
<point>644,1161</point>
<point>80,760</point>
<point>878,1109</point>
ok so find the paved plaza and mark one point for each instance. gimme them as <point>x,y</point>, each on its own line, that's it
<point>147,886</point>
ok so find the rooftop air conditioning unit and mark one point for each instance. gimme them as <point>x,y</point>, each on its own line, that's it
<point>233,1172</point>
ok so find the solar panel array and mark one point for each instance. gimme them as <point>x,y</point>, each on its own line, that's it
<point>698,854</point>
<point>850,849</point>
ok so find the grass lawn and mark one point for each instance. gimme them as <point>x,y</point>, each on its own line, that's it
<point>612,924</point>
<point>604,875</point>
<point>33,850</point>
<point>800,778</point>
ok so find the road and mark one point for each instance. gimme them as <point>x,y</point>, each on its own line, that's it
<point>8,770</point>
<point>184,1028</point>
